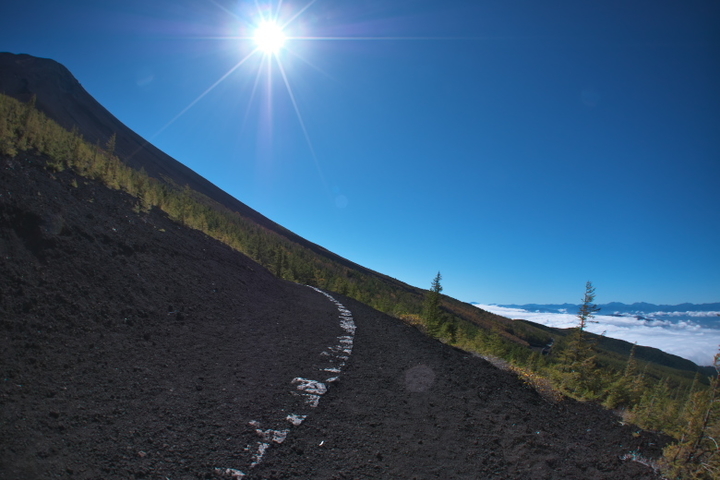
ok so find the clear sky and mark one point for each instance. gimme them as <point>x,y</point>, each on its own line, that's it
<point>519,147</point>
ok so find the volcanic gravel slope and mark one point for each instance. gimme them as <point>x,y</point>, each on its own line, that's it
<point>133,347</point>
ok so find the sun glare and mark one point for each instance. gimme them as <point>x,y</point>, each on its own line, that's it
<point>270,40</point>
<point>269,37</point>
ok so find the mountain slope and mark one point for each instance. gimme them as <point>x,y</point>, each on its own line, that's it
<point>60,96</point>
<point>133,347</point>
<point>63,99</point>
<point>125,333</point>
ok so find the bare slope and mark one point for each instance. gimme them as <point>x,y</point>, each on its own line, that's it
<point>132,347</point>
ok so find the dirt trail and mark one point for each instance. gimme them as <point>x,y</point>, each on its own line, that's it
<point>131,347</point>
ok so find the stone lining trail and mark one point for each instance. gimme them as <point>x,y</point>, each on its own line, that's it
<point>332,361</point>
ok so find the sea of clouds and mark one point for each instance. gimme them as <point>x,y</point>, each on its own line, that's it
<point>691,335</point>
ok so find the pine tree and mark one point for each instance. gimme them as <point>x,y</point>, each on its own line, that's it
<point>578,357</point>
<point>432,306</point>
<point>279,260</point>
<point>588,309</point>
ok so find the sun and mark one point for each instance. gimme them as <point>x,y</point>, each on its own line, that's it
<point>269,37</point>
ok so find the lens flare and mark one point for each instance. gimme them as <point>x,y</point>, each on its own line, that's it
<point>269,37</point>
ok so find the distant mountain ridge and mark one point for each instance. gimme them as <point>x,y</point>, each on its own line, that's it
<point>618,308</point>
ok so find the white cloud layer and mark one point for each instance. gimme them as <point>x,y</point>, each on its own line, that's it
<point>679,334</point>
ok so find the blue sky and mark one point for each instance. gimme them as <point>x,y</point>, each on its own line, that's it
<point>519,147</point>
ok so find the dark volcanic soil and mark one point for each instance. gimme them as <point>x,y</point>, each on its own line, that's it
<point>132,347</point>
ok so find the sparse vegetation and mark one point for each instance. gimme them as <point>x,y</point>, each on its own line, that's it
<point>650,396</point>
<point>697,453</point>
<point>23,128</point>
